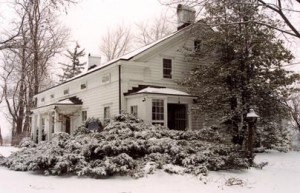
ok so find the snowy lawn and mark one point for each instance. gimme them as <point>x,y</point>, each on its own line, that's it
<point>280,176</point>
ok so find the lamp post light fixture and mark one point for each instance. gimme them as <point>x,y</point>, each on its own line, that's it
<point>251,119</point>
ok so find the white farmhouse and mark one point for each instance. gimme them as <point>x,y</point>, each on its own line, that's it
<point>143,83</point>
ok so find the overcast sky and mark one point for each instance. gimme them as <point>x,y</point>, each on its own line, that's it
<point>90,19</point>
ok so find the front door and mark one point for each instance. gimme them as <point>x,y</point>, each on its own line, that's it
<point>177,116</point>
<point>68,124</point>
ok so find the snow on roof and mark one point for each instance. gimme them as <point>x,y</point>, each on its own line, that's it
<point>127,56</point>
<point>167,91</point>
<point>65,102</point>
<point>124,57</point>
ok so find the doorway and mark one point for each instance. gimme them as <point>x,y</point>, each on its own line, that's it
<point>67,124</point>
<point>177,116</point>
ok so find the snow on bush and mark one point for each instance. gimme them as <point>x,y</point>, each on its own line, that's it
<point>126,146</point>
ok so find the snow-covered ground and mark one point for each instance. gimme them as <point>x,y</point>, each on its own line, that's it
<point>281,175</point>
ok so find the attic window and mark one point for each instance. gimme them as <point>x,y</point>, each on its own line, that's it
<point>52,96</point>
<point>197,45</point>
<point>106,79</point>
<point>167,68</point>
<point>43,99</point>
<point>66,91</point>
<point>83,86</point>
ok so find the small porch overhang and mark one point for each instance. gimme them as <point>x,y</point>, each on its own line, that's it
<point>162,105</point>
<point>65,106</point>
<point>48,118</point>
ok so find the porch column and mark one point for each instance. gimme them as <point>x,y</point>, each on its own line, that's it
<point>165,112</point>
<point>39,127</point>
<point>50,114</point>
<point>57,123</point>
<point>34,127</point>
<point>47,126</point>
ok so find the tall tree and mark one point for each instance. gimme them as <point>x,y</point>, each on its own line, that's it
<point>246,69</point>
<point>75,67</point>
<point>26,65</point>
<point>116,42</point>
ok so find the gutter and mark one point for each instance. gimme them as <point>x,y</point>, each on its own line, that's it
<point>120,90</point>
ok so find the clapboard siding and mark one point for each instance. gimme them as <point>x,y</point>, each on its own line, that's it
<point>95,97</point>
<point>149,70</point>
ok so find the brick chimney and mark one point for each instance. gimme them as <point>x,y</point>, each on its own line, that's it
<point>185,16</point>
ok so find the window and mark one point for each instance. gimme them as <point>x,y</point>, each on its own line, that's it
<point>83,116</point>
<point>106,112</point>
<point>43,99</point>
<point>197,45</point>
<point>83,86</point>
<point>167,68</point>
<point>158,111</point>
<point>66,91</point>
<point>134,110</point>
<point>106,79</point>
<point>52,96</point>
<point>35,102</point>
<point>52,123</point>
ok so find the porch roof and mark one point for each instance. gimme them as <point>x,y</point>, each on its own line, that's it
<point>162,91</point>
<point>67,105</point>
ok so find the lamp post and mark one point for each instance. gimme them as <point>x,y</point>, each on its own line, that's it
<point>251,119</point>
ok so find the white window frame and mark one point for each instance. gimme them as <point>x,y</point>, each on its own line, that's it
<point>156,118</point>
<point>105,116</point>
<point>170,68</point>
<point>106,78</point>
<point>66,91</point>
<point>134,110</point>
<point>84,115</point>
<point>85,84</point>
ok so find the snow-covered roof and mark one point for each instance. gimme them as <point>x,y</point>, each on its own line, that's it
<point>163,91</point>
<point>127,56</point>
<point>124,57</point>
<point>65,102</point>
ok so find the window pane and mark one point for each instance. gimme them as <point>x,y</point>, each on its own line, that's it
<point>134,110</point>
<point>84,116</point>
<point>106,112</point>
<point>167,68</point>
<point>158,109</point>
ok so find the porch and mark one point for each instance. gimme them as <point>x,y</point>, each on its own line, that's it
<point>164,106</point>
<point>63,116</point>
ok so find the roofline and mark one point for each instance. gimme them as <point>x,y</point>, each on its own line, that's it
<point>153,93</point>
<point>109,63</point>
<point>54,104</point>
<point>85,74</point>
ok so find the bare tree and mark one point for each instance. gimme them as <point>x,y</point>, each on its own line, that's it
<point>1,138</point>
<point>26,66</point>
<point>293,103</point>
<point>150,31</point>
<point>284,10</point>
<point>116,42</point>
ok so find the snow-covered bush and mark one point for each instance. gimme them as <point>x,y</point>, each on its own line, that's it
<point>126,146</point>
<point>274,136</point>
<point>27,142</point>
